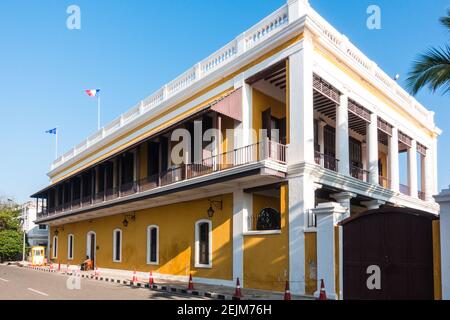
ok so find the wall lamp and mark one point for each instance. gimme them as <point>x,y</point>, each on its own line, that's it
<point>132,217</point>
<point>215,203</point>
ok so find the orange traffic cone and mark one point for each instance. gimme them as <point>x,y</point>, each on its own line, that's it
<point>190,284</point>
<point>287,292</point>
<point>150,279</point>
<point>135,280</point>
<point>323,293</point>
<point>59,265</point>
<point>237,292</point>
<point>51,266</point>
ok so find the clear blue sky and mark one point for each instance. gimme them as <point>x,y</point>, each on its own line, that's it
<point>130,48</point>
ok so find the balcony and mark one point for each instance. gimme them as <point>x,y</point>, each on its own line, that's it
<point>326,161</point>
<point>258,152</point>
<point>359,173</point>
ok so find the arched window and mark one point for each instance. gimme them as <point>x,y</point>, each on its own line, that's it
<point>70,246</point>
<point>203,244</point>
<point>268,219</point>
<point>55,247</point>
<point>117,245</point>
<point>152,244</point>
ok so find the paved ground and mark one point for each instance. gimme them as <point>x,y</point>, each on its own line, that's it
<point>24,284</point>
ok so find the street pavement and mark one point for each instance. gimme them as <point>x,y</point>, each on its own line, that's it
<point>18,283</point>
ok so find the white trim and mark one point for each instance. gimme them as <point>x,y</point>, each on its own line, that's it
<point>114,245</point>
<point>88,246</point>
<point>149,229</point>
<point>55,247</point>
<point>70,246</point>
<point>197,244</point>
<point>262,232</point>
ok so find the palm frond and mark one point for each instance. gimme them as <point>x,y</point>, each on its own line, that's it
<point>445,21</point>
<point>432,70</point>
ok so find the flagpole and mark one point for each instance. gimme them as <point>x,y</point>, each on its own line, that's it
<point>98,112</point>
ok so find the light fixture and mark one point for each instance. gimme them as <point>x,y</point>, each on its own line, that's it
<point>210,212</point>
<point>216,203</point>
<point>132,217</point>
<point>56,232</point>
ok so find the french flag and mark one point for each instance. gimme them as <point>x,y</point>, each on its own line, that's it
<point>92,92</point>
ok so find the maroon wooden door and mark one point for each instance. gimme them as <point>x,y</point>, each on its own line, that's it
<point>400,243</point>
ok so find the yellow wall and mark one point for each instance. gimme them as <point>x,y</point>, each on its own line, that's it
<point>176,239</point>
<point>310,262</point>
<point>262,102</point>
<point>266,257</point>
<point>437,260</point>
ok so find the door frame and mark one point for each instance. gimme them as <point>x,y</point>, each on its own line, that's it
<point>88,246</point>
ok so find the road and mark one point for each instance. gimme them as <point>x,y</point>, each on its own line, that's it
<point>18,283</point>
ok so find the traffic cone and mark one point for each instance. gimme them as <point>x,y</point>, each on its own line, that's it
<point>190,284</point>
<point>135,280</point>
<point>287,292</point>
<point>51,266</point>
<point>237,292</point>
<point>96,272</point>
<point>67,268</point>
<point>323,293</point>
<point>150,279</point>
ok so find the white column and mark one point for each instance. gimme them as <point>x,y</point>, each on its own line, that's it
<point>372,149</point>
<point>443,199</point>
<point>428,175</point>
<point>241,210</point>
<point>434,153</point>
<point>327,215</point>
<point>301,199</point>
<point>373,204</point>
<point>301,113</point>
<point>343,198</point>
<point>244,135</point>
<point>393,165</point>
<point>342,136</point>
<point>412,169</point>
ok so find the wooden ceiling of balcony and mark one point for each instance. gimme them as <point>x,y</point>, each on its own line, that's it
<point>275,75</point>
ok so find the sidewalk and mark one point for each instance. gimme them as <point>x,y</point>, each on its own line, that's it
<point>205,290</point>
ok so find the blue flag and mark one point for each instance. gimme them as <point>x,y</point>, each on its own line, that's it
<point>51,131</point>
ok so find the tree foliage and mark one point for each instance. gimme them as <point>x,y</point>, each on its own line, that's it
<point>432,68</point>
<point>11,235</point>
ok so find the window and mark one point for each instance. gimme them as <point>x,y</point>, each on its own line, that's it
<point>42,227</point>
<point>153,244</point>
<point>268,219</point>
<point>117,245</point>
<point>55,247</point>
<point>203,244</point>
<point>70,247</point>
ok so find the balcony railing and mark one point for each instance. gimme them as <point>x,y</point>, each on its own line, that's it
<point>359,173</point>
<point>326,161</point>
<point>404,189</point>
<point>265,150</point>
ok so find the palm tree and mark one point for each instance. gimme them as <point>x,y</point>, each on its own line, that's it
<point>432,68</point>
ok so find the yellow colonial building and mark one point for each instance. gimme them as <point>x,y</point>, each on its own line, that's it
<point>291,143</point>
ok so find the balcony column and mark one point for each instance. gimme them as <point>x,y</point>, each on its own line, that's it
<point>428,175</point>
<point>81,189</point>
<point>115,174</point>
<point>342,136</point>
<point>372,149</point>
<point>97,180</point>
<point>393,165</point>
<point>300,100</point>
<point>412,169</point>
<point>93,185</point>
<point>320,136</point>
